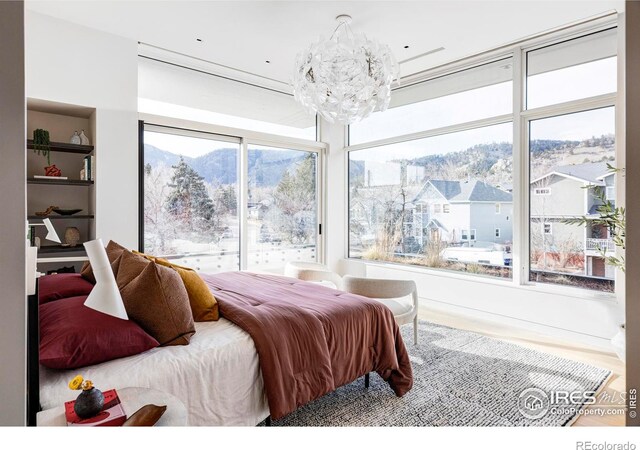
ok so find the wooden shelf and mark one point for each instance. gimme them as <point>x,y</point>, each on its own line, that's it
<point>47,249</point>
<point>65,148</point>
<point>54,216</point>
<point>59,182</point>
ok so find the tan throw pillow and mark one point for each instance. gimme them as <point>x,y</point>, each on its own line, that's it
<point>113,251</point>
<point>204,305</point>
<point>157,300</point>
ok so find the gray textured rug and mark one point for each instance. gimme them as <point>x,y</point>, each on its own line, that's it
<point>460,379</point>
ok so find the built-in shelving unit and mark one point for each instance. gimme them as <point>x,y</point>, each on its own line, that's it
<point>59,182</point>
<point>65,148</point>
<point>61,217</point>
<point>47,249</point>
<point>61,120</point>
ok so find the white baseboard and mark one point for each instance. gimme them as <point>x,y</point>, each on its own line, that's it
<point>570,337</point>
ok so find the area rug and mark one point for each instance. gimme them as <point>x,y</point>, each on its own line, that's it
<point>460,379</point>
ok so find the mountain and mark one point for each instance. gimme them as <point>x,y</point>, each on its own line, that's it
<point>155,156</point>
<point>493,163</point>
<point>266,167</point>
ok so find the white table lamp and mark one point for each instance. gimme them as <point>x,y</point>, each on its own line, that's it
<point>105,296</point>
<point>51,232</point>
<point>32,254</point>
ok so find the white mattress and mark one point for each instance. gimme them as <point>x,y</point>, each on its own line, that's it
<point>217,376</point>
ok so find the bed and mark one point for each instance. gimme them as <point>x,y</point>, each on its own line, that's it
<point>280,343</point>
<point>217,376</point>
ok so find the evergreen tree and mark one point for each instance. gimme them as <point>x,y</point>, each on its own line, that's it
<point>189,201</point>
<point>294,199</point>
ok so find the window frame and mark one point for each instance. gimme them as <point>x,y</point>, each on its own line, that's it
<point>522,235</point>
<point>245,138</point>
<point>520,118</point>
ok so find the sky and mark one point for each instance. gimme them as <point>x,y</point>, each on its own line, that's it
<point>176,144</point>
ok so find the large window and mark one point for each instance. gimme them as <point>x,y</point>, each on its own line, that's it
<point>569,155</point>
<point>191,199</point>
<point>192,212</point>
<point>282,207</point>
<point>572,70</point>
<point>433,181</point>
<point>464,96</point>
<point>432,202</point>
<point>571,149</point>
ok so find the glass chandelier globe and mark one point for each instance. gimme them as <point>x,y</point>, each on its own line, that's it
<point>345,78</point>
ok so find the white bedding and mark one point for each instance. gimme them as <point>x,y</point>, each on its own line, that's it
<point>217,376</point>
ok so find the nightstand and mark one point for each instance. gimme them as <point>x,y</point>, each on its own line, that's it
<point>132,398</point>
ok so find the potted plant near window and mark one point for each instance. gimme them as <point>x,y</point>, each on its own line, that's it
<point>42,146</point>
<point>614,219</point>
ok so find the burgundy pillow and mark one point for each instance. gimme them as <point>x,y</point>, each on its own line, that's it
<point>62,285</point>
<point>72,335</point>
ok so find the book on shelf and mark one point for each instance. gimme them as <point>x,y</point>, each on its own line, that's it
<point>49,177</point>
<point>83,175</point>
<point>92,162</point>
<point>112,414</point>
<point>89,163</point>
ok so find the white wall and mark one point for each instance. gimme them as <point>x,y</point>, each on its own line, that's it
<point>13,206</point>
<point>572,317</point>
<point>72,64</point>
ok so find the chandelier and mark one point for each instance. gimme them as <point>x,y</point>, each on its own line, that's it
<point>345,78</point>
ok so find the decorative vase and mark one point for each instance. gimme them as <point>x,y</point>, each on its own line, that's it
<point>75,139</point>
<point>84,140</point>
<point>89,403</point>
<point>618,343</point>
<point>71,236</point>
<point>52,171</point>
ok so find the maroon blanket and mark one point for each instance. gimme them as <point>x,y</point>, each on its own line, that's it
<point>311,339</point>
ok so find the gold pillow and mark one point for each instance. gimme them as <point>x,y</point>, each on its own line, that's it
<point>203,304</point>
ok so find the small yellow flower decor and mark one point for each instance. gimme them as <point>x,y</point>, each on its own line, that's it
<point>90,401</point>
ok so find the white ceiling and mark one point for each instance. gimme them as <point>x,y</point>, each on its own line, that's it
<point>244,34</point>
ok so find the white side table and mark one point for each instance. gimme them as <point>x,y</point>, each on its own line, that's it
<point>132,398</point>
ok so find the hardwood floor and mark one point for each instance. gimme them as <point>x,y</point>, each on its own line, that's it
<point>613,388</point>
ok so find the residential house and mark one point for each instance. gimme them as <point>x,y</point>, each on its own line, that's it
<point>565,193</point>
<point>458,212</point>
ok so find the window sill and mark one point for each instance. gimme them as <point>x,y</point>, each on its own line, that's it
<point>547,289</point>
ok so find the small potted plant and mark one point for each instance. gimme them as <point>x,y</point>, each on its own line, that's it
<point>42,146</point>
